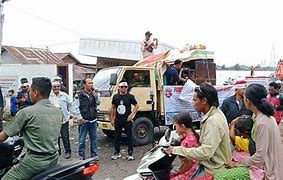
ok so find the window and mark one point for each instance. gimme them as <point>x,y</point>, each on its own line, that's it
<point>137,78</point>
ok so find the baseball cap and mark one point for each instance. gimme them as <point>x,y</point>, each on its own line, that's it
<point>123,84</point>
<point>148,33</point>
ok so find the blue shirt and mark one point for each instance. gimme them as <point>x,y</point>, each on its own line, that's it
<point>171,75</point>
<point>13,105</point>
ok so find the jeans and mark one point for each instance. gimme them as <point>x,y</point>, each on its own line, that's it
<point>91,129</point>
<point>119,125</point>
<point>65,137</point>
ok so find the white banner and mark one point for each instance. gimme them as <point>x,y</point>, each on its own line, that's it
<point>174,105</point>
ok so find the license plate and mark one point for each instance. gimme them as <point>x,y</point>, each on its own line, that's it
<point>104,125</point>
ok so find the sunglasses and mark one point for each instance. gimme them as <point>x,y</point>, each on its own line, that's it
<point>124,86</point>
<point>56,86</point>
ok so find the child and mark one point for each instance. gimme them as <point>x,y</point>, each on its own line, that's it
<point>240,135</point>
<point>13,102</point>
<point>189,138</point>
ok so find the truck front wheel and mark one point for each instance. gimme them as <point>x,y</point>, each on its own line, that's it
<point>142,131</point>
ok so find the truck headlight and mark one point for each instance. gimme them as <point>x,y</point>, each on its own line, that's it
<point>106,117</point>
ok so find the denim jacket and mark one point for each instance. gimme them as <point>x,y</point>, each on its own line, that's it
<point>65,104</point>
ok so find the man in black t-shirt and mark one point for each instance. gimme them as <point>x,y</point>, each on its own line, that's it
<point>122,117</point>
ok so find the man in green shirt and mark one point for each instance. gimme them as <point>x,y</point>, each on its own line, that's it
<point>40,125</point>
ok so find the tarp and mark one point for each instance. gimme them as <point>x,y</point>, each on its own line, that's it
<point>171,55</point>
<point>161,60</point>
<point>150,60</point>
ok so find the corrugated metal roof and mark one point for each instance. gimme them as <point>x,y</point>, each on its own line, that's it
<point>80,72</point>
<point>116,49</point>
<point>61,55</point>
<point>32,55</point>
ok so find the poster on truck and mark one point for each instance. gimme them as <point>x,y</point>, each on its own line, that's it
<point>179,99</point>
<point>174,105</point>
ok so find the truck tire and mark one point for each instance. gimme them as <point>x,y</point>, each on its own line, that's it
<point>142,131</point>
<point>109,133</point>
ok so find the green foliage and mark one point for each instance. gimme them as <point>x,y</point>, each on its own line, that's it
<point>239,67</point>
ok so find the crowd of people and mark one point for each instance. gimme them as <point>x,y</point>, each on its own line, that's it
<point>42,112</point>
<point>239,140</point>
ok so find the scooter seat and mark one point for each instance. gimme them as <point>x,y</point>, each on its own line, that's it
<point>63,171</point>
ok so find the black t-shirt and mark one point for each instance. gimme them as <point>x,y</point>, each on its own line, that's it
<point>123,105</point>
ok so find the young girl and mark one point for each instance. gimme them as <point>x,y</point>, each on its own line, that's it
<point>189,138</point>
<point>240,135</point>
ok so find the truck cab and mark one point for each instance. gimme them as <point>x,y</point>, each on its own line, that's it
<point>142,84</point>
<point>145,81</point>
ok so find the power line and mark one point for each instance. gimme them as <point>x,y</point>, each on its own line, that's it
<point>50,22</point>
<point>59,43</point>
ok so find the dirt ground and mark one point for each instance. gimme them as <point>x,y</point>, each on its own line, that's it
<point>120,168</point>
<point>109,169</point>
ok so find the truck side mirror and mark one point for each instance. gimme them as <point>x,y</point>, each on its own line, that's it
<point>113,79</point>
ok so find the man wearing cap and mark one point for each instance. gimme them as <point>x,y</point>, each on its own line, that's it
<point>122,117</point>
<point>148,45</point>
<point>85,110</point>
<point>62,87</point>
<point>40,125</point>
<point>23,98</point>
<point>62,101</point>
<point>234,106</point>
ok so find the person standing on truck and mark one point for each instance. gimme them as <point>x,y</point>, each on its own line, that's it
<point>122,117</point>
<point>148,45</point>
<point>172,73</point>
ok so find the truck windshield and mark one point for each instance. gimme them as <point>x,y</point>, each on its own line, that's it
<point>101,80</point>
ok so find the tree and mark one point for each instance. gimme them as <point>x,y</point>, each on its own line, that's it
<point>237,66</point>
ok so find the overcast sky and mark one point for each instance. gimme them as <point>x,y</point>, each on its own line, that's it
<point>242,31</point>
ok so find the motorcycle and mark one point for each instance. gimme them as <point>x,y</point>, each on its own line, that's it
<point>11,149</point>
<point>156,164</point>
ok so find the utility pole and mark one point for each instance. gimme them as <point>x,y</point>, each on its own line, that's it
<point>1,26</point>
